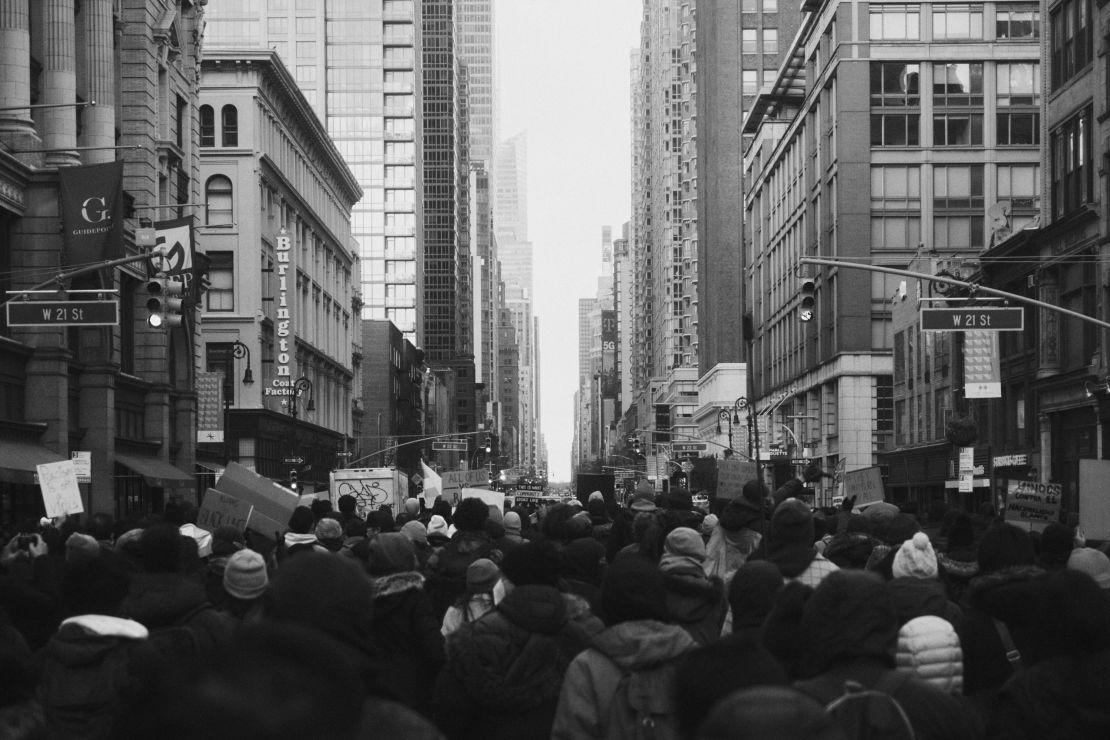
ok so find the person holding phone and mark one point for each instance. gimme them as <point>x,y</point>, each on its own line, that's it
<point>29,589</point>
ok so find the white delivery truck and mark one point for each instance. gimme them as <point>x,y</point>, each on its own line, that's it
<point>371,488</point>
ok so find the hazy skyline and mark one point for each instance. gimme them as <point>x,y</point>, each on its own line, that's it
<point>563,70</point>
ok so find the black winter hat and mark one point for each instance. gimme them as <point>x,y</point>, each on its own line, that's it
<point>532,564</point>
<point>1056,546</point>
<point>850,615</point>
<point>753,591</point>
<point>381,520</point>
<point>792,523</point>
<point>471,515</point>
<point>1003,546</point>
<point>633,589</point>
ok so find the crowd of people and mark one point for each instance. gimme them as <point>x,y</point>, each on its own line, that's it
<point>762,618</point>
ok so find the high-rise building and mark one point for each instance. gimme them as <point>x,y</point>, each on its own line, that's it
<point>357,63</point>
<point>476,49</point>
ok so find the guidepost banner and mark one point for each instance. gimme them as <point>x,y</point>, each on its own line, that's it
<point>92,212</point>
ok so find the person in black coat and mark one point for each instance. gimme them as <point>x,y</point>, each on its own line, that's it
<point>405,632</point>
<point>504,671</point>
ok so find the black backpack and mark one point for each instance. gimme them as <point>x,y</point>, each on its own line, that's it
<point>872,714</point>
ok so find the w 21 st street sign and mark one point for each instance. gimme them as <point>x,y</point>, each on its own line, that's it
<point>63,313</point>
<point>972,319</point>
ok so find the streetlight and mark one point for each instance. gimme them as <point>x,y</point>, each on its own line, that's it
<point>300,385</point>
<point>727,416</point>
<point>239,351</point>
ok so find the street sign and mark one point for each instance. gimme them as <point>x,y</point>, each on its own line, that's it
<point>63,313</point>
<point>972,319</point>
<point>294,460</point>
<point>688,446</point>
<point>449,446</point>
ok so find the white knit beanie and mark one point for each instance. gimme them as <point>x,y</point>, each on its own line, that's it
<point>915,558</point>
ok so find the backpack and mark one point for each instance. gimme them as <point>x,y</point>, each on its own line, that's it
<point>872,714</point>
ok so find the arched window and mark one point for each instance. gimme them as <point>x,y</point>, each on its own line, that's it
<point>218,201</point>
<point>207,126</point>
<point>229,122</point>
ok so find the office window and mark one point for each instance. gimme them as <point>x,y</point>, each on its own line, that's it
<point>306,50</point>
<point>229,126</point>
<point>770,41</point>
<point>1017,21</point>
<point>749,82</point>
<point>1072,47</point>
<point>955,22</point>
<point>958,206</point>
<point>894,85</point>
<point>895,22</point>
<point>958,85</point>
<point>769,76</point>
<point>1018,95</point>
<point>1020,186</point>
<point>895,207</point>
<point>220,295</point>
<point>207,126</point>
<point>219,201</point>
<point>1072,164</point>
<point>748,41</point>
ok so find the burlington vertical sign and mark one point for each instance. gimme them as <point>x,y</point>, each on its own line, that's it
<point>282,384</point>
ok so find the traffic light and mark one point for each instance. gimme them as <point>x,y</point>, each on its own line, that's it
<point>808,299</point>
<point>293,483</point>
<point>488,444</point>
<point>164,303</point>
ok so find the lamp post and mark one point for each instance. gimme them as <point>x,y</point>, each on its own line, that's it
<point>727,416</point>
<point>300,385</point>
<point>238,352</point>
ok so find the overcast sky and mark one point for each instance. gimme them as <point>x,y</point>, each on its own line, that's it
<point>564,79</point>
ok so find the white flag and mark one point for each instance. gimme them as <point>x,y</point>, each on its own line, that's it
<point>433,485</point>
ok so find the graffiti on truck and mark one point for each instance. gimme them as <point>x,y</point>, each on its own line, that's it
<point>368,494</point>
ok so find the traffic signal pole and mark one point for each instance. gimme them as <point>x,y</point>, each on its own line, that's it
<point>973,287</point>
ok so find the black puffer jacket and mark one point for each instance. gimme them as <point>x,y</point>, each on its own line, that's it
<point>504,671</point>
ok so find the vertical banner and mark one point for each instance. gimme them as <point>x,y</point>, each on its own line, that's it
<point>177,235</point>
<point>982,373</point>
<point>282,384</point>
<point>210,406</point>
<point>610,383</point>
<point>92,212</point>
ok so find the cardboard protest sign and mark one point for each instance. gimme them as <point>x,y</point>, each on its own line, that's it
<point>494,499</point>
<point>1033,504</point>
<point>219,509</point>
<point>732,474</point>
<point>60,493</point>
<point>865,484</point>
<point>454,481</point>
<point>272,504</point>
<point>1094,498</point>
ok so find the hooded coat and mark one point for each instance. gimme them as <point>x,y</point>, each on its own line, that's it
<point>626,674</point>
<point>694,600</point>
<point>504,671</point>
<point>919,597</point>
<point>446,568</point>
<point>406,636</point>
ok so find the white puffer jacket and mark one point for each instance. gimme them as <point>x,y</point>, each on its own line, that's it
<point>929,648</point>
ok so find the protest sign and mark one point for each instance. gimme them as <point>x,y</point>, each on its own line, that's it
<point>1033,504</point>
<point>454,481</point>
<point>494,499</point>
<point>865,484</point>
<point>60,493</point>
<point>272,504</point>
<point>732,474</point>
<point>1094,498</point>
<point>219,509</point>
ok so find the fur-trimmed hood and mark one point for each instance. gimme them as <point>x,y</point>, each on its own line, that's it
<point>397,583</point>
<point>1005,592</point>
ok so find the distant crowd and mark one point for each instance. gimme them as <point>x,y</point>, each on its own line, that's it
<point>757,617</point>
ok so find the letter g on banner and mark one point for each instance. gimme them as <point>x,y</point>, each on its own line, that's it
<point>94,210</point>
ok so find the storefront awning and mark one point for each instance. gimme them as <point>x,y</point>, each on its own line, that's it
<point>155,471</point>
<point>19,460</point>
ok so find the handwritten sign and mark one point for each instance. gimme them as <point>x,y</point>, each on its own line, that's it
<point>1094,505</point>
<point>1034,504</point>
<point>865,484</point>
<point>493,499</point>
<point>731,477</point>
<point>220,509</point>
<point>454,481</point>
<point>60,493</point>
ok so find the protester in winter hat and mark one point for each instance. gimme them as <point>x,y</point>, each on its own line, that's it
<point>929,648</point>
<point>959,561</point>
<point>643,498</point>
<point>1093,562</point>
<point>347,505</point>
<point>1056,542</point>
<point>513,527</point>
<point>738,534</point>
<point>791,544</point>
<point>761,712</point>
<point>504,671</point>
<point>915,558</point>
<point>1062,689</point>
<point>329,533</point>
<point>638,642</point>
<point>245,579</point>
<point>405,631</point>
<point>437,531</point>
<point>1005,546</point>
<point>481,577</point>
<point>81,546</point>
<point>446,569</point>
<point>751,597</point>
<point>380,521</point>
<point>301,537</point>
<point>582,568</point>
<point>694,600</point>
<point>851,633</point>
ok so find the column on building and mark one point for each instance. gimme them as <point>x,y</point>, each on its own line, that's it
<point>15,67</point>
<point>59,83</point>
<point>100,120</point>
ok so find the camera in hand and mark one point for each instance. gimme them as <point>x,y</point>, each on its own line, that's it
<point>25,541</point>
